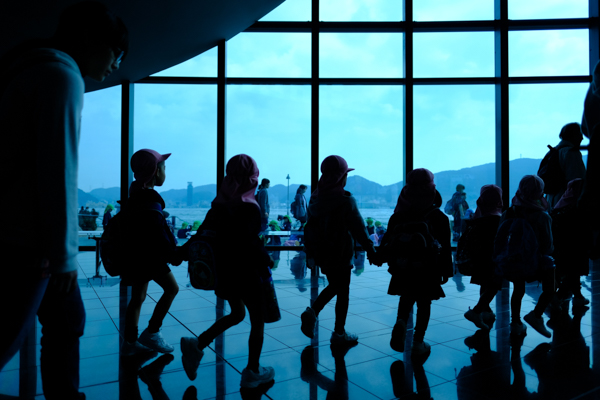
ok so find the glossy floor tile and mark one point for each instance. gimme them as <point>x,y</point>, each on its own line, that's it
<point>464,363</point>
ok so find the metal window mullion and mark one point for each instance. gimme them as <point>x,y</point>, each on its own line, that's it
<point>594,34</point>
<point>501,98</point>
<point>408,121</point>
<point>127,92</point>
<point>221,110</point>
<point>314,122</point>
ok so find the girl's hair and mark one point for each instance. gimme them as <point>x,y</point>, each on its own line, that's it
<point>460,187</point>
<point>301,188</point>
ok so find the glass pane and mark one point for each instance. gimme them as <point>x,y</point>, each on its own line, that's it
<point>546,53</point>
<point>455,138</point>
<point>203,65</point>
<point>361,55</point>
<point>457,10</point>
<point>99,157</point>
<point>181,120</point>
<point>360,10</point>
<point>537,114</point>
<point>540,9</point>
<point>364,124</point>
<point>290,10</point>
<point>465,54</point>
<point>272,125</point>
<point>273,55</point>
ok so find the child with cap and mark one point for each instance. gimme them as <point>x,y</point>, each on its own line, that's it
<point>420,281</point>
<point>334,223</point>
<point>240,266</point>
<point>149,251</point>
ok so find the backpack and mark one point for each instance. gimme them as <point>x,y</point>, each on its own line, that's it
<point>326,241</point>
<point>551,173</point>
<point>449,207</point>
<point>411,245</point>
<point>113,242</point>
<point>294,209</point>
<point>466,249</point>
<point>516,248</point>
<point>202,264</point>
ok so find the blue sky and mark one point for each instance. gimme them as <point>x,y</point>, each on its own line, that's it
<point>454,125</point>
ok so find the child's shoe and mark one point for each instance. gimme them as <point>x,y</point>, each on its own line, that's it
<point>518,328</point>
<point>155,341</point>
<point>420,348</point>
<point>537,323</point>
<point>309,320</point>
<point>398,336</point>
<point>251,379</point>
<point>477,319</point>
<point>347,339</point>
<point>190,356</point>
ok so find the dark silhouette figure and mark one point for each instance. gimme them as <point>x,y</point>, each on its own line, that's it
<point>419,278</point>
<point>41,99</point>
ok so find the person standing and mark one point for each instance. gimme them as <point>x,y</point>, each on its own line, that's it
<point>262,197</point>
<point>41,98</point>
<point>459,206</point>
<point>107,215</point>
<point>569,159</point>
<point>300,205</point>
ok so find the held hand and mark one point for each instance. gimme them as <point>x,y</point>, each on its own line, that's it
<point>64,283</point>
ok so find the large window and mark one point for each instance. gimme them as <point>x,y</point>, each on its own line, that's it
<point>389,85</point>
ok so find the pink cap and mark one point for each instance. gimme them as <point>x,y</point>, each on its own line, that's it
<point>144,163</point>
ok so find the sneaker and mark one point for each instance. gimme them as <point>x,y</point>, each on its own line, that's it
<point>190,356</point>
<point>398,336</point>
<point>420,348</point>
<point>155,341</point>
<point>488,318</point>
<point>580,301</point>
<point>252,379</point>
<point>476,319</point>
<point>309,320</point>
<point>130,349</point>
<point>518,329</point>
<point>537,323</point>
<point>345,339</point>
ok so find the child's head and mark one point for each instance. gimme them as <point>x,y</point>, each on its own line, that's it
<point>369,221</point>
<point>378,224</point>
<point>148,167</point>
<point>460,188</point>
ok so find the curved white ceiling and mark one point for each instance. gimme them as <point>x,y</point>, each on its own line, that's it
<point>163,33</point>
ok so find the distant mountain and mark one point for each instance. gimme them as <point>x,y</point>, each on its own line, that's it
<point>368,194</point>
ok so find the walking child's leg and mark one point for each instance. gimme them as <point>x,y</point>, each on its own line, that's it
<point>256,338</point>
<point>132,315</point>
<point>325,296</point>
<point>423,314</point>
<point>405,305</point>
<point>548,290</point>
<point>171,288</point>
<point>515,300</point>
<point>237,315</point>
<point>488,292</point>
<point>342,283</point>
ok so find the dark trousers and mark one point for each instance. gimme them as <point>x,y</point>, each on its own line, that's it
<point>264,223</point>
<point>339,285</point>
<point>423,312</point>
<point>62,318</point>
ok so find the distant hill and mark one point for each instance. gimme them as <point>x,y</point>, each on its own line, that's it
<point>368,194</point>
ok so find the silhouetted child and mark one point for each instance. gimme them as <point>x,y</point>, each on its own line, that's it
<point>149,251</point>
<point>529,203</point>
<point>240,266</point>
<point>334,223</point>
<point>480,233</point>
<point>417,278</point>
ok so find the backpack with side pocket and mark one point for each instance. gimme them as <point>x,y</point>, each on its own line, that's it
<point>412,246</point>
<point>326,241</point>
<point>551,173</point>
<point>516,248</point>
<point>113,242</point>
<point>202,253</point>
<point>294,209</point>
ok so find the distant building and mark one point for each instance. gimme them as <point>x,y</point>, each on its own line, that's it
<point>190,194</point>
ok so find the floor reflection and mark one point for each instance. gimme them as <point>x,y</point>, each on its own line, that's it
<point>464,363</point>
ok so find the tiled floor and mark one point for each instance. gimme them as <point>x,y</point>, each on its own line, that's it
<point>464,363</point>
